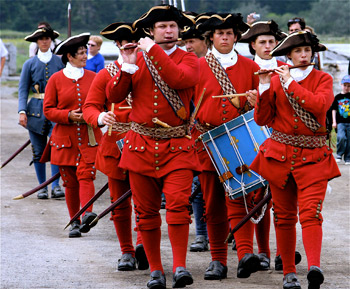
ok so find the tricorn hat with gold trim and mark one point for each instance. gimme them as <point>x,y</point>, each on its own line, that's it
<point>42,32</point>
<point>119,31</point>
<point>163,13</point>
<point>297,39</point>
<point>262,28</point>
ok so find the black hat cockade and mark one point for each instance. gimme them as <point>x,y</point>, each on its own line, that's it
<point>163,13</point>
<point>297,39</point>
<point>42,32</point>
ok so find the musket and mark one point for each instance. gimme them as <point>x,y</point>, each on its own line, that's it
<point>111,207</point>
<point>88,204</point>
<point>69,32</point>
<point>43,185</point>
<point>15,154</point>
<point>134,45</point>
<point>259,205</point>
<point>290,67</point>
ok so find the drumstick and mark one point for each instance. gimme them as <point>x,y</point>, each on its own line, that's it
<point>163,124</point>
<point>230,95</point>
<point>290,67</point>
<point>125,107</point>
<point>134,45</point>
<point>111,126</point>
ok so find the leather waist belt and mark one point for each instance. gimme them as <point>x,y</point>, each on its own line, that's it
<point>121,127</point>
<point>91,135</point>
<point>160,132</point>
<point>38,95</point>
<point>202,128</point>
<point>304,141</point>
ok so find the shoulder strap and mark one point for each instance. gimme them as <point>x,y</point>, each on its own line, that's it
<point>112,68</point>
<point>170,94</point>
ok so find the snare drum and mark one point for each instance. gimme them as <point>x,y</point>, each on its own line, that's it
<point>120,144</point>
<point>232,147</point>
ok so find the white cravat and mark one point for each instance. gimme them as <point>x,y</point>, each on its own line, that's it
<point>299,75</point>
<point>45,57</point>
<point>265,63</point>
<point>72,72</point>
<point>225,60</point>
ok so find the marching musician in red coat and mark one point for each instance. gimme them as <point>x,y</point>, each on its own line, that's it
<point>159,157</point>
<point>223,71</point>
<point>263,37</point>
<point>108,154</point>
<point>73,143</point>
<point>295,159</point>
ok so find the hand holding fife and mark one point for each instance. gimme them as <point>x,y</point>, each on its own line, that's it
<point>129,55</point>
<point>252,96</point>
<point>22,119</point>
<point>76,115</point>
<point>265,77</point>
<point>144,43</point>
<point>283,71</point>
<point>108,118</point>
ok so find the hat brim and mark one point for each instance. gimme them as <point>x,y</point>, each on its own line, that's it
<point>118,31</point>
<point>262,28</point>
<point>42,32</point>
<point>163,13</point>
<point>73,41</point>
<point>297,39</point>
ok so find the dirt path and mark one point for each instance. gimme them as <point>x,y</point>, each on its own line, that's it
<point>37,253</point>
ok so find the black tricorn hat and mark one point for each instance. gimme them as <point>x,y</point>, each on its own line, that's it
<point>191,32</point>
<point>296,39</point>
<point>73,41</point>
<point>42,32</point>
<point>224,21</point>
<point>119,31</point>
<point>163,13</point>
<point>262,28</point>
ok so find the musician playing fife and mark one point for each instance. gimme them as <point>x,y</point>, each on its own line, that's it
<point>263,37</point>
<point>295,159</point>
<point>108,153</point>
<point>223,32</point>
<point>159,159</point>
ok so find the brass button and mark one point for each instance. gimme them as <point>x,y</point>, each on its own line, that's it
<point>292,93</point>
<point>156,62</point>
<point>157,143</point>
<point>156,155</point>
<point>283,157</point>
<point>297,98</point>
<point>224,112</point>
<point>295,126</point>
<point>155,104</point>
<point>316,216</point>
<point>293,162</point>
<point>127,141</point>
<point>292,168</point>
<point>224,118</point>
<point>155,111</point>
<point>156,97</point>
<point>172,148</point>
<point>283,185</point>
<point>303,101</point>
<point>157,168</point>
<point>156,90</point>
<point>223,105</point>
<point>114,82</point>
<point>142,147</point>
<point>152,57</point>
<point>130,146</point>
<point>156,148</point>
<point>296,120</point>
<point>304,159</point>
<point>295,150</point>
<point>157,162</point>
<point>180,148</point>
<point>159,68</point>
<point>135,148</point>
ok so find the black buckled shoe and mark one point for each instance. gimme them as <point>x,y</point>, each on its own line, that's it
<point>87,219</point>
<point>315,277</point>
<point>249,264</point>
<point>157,280</point>
<point>141,258</point>
<point>200,244</point>
<point>74,231</point>
<point>57,192</point>
<point>126,263</point>
<point>181,278</point>
<point>215,271</point>
<point>290,281</point>
<point>279,264</point>
<point>264,262</point>
<point>43,194</point>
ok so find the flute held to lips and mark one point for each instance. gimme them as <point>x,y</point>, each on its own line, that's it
<point>290,67</point>
<point>134,45</point>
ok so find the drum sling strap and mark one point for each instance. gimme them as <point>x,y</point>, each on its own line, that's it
<point>306,117</point>
<point>170,94</point>
<point>225,83</point>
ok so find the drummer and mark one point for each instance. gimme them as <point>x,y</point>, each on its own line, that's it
<point>295,159</point>
<point>222,63</point>
<point>263,37</point>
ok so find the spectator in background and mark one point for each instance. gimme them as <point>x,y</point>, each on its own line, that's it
<point>95,61</point>
<point>341,120</point>
<point>3,54</point>
<point>33,47</point>
<point>296,24</point>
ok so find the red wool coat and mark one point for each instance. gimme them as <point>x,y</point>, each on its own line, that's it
<point>68,139</point>
<point>108,153</point>
<point>146,155</point>
<point>216,111</point>
<point>275,161</point>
